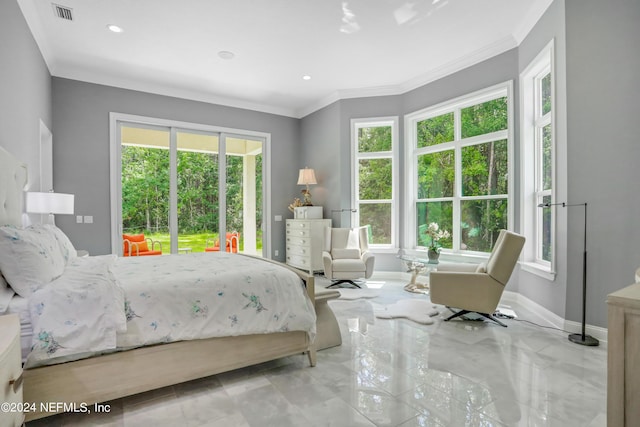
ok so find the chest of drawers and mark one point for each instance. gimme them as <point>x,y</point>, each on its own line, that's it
<point>10,371</point>
<point>304,241</point>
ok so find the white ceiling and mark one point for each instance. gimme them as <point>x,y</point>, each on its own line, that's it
<point>349,48</point>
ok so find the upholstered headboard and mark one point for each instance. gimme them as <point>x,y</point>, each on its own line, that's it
<point>13,181</point>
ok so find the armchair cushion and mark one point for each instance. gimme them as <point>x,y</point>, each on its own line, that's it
<point>345,253</point>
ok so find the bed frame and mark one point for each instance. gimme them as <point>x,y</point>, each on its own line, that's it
<point>103,378</point>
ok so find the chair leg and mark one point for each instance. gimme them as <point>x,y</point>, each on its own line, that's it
<point>339,282</point>
<point>456,314</point>
<point>463,312</point>
<point>490,317</point>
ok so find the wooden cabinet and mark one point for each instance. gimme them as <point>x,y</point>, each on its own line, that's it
<point>10,371</point>
<point>304,241</point>
<point>623,359</point>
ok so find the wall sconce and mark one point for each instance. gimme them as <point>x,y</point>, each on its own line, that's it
<point>307,177</point>
<point>50,203</point>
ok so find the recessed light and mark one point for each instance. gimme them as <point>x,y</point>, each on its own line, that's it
<point>114,28</point>
<point>306,77</point>
<point>225,54</point>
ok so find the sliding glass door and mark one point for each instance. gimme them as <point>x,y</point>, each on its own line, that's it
<point>197,189</point>
<point>174,183</point>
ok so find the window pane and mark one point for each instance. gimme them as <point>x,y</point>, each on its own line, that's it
<point>490,116</point>
<point>436,175</point>
<point>546,157</point>
<point>545,88</point>
<point>485,169</point>
<point>378,216</point>
<point>372,139</point>
<point>438,212</point>
<point>375,177</point>
<point>197,173</point>
<point>481,222</point>
<point>435,130</point>
<point>145,190</point>
<point>545,238</point>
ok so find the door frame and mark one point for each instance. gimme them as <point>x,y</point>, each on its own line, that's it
<point>115,169</point>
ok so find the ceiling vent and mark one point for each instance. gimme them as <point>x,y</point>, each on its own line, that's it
<point>63,12</point>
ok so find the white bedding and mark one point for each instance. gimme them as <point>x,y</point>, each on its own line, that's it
<point>20,306</point>
<point>103,304</point>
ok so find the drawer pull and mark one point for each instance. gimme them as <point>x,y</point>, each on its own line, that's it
<point>17,383</point>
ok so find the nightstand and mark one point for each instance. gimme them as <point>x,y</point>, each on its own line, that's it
<point>10,371</point>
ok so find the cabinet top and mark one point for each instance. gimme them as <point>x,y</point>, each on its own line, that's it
<point>627,297</point>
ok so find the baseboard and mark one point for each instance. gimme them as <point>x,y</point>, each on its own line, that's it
<point>549,317</point>
<point>553,319</point>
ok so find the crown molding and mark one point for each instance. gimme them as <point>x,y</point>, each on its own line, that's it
<point>487,52</point>
<point>537,10</point>
<point>76,72</point>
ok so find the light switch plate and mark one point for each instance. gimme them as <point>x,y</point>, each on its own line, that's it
<point>88,219</point>
<point>79,219</point>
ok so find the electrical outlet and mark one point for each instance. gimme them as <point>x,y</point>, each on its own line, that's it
<point>277,252</point>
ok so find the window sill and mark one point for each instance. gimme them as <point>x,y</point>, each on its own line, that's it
<point>538,270</point>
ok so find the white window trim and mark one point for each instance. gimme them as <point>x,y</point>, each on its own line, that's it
<point>411,166</point>
<point>356,124</point>
<point>530,122</point>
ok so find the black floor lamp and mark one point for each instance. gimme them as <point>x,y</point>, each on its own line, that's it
<point>583,338</point>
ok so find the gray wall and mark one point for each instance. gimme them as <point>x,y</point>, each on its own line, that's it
<point>81,154</point>
<point>25,91</point>
<point>552,294</point>
<point>603,69</point>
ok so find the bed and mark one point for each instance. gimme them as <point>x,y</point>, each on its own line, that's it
<point>173,349</point>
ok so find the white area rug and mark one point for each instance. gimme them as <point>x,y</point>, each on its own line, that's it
<point>418,310</point>
<point>351,294</point>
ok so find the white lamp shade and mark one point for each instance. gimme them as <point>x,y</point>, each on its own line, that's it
<point>50,203</point>
<point>306,177</point>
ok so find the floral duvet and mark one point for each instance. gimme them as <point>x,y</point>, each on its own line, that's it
<point>104,304</point>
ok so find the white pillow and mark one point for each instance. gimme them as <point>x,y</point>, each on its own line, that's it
<point>353,241</point>
<point>66,247</point>
<point>29,258</point>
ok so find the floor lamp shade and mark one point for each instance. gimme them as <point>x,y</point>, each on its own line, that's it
<point>50,203</point>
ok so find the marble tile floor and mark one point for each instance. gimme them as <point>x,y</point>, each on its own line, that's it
<point>391,373</point>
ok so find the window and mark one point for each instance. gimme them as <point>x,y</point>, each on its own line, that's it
<point>459,170</point>
<point>374,178</point>
<point>538,159</point>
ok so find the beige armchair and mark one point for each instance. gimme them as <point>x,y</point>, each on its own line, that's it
<point>346,256</point>
<point>477,287</point>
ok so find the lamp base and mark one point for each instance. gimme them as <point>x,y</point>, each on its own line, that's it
<point>586,340</point>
